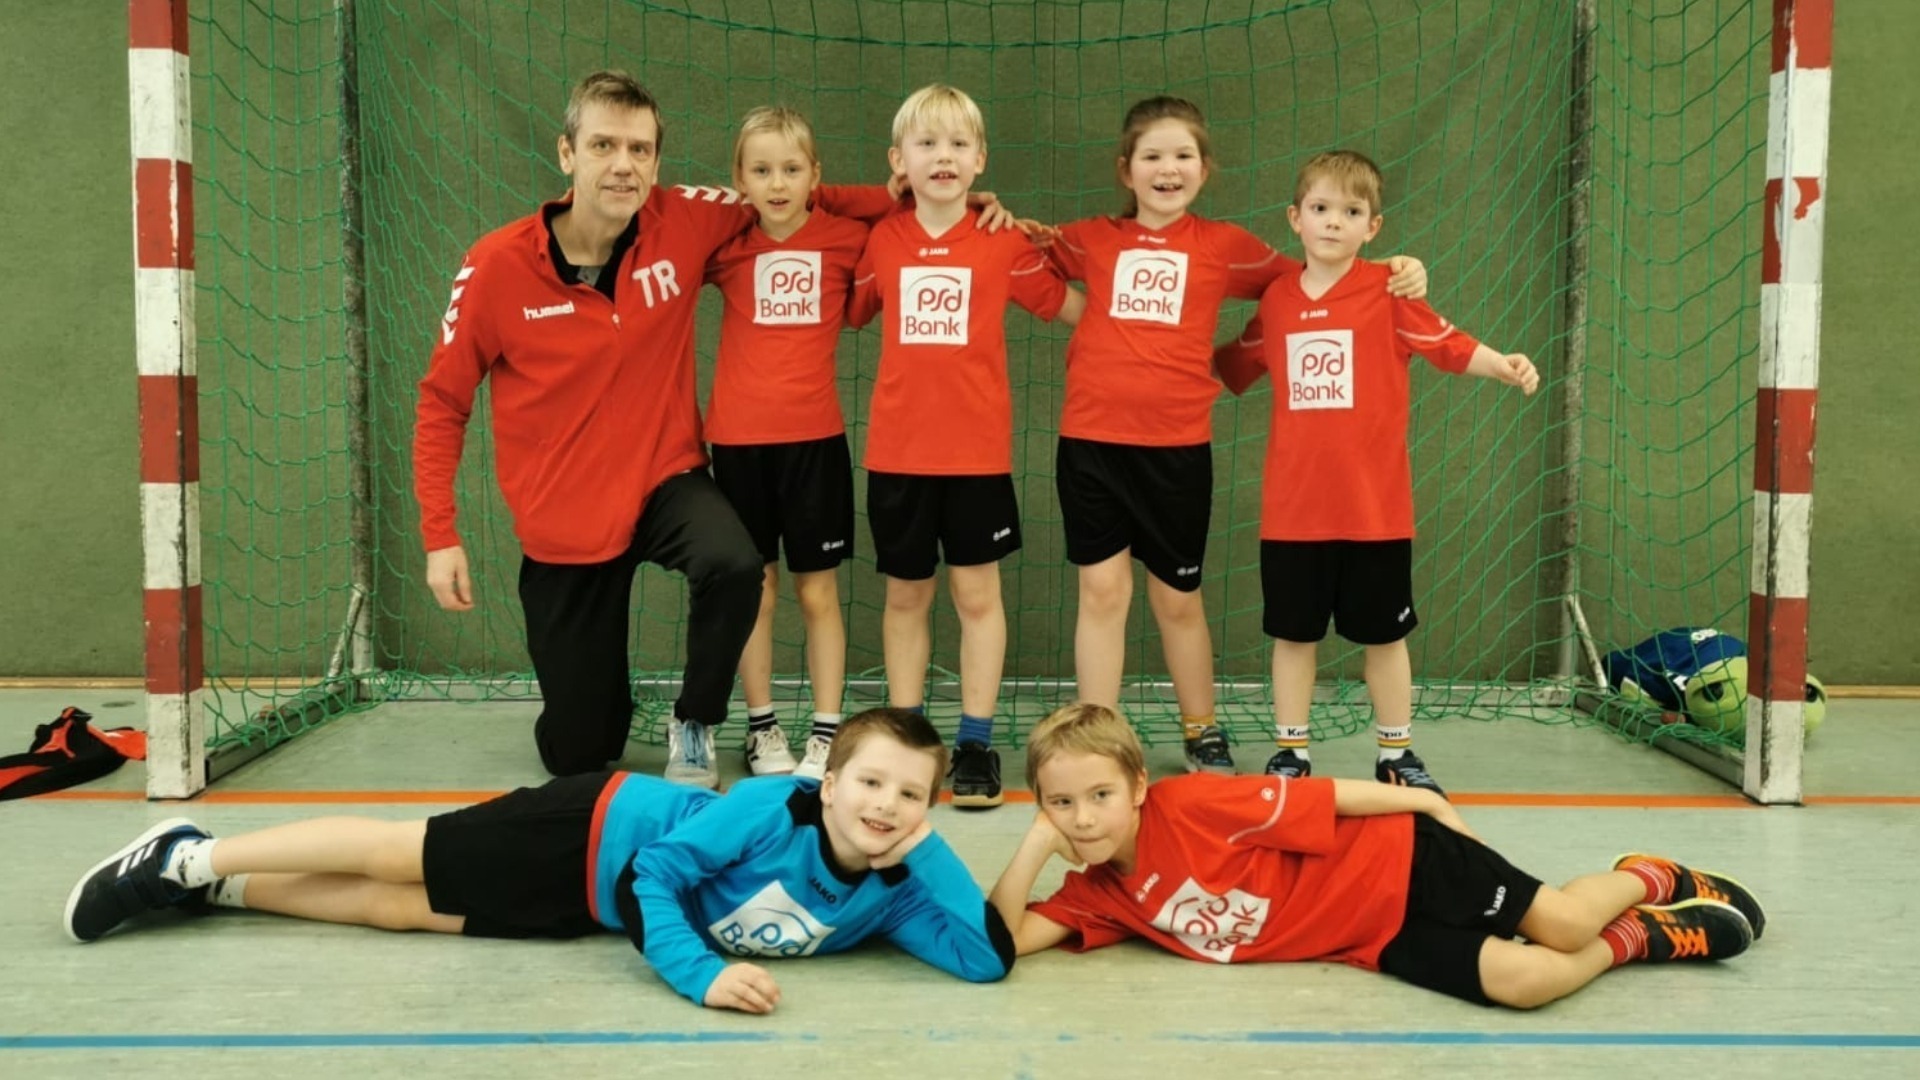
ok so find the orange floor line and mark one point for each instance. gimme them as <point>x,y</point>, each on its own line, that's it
<point>1539,800</point>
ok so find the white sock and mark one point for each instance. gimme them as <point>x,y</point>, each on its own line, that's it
<point>190,864</point>
<point>824,725</point>
<point>1393,741</point>
<point>229,892</point>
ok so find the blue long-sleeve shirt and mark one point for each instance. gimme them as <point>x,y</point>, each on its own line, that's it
<point>689,875</point>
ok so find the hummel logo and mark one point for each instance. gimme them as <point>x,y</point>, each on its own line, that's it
<point>1404,612</point>
<point>548,312</point>
<point>1003,533</point>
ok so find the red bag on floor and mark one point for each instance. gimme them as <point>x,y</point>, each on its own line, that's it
<point>66,752</point>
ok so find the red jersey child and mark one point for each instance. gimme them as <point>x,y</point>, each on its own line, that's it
<point>939,451</point>
<point>779,440</point>
<point>1235,869</point>
<point>1336,528</point>
<point>1134,468</point>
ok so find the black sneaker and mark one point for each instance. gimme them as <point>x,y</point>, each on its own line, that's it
<point>1695,929</point>
<point>975,776</point>
<point>1689,884</point>
<point>1289,764</point>
<point>1407,770</point>
<point>1208,753</point>
<point>128,882</point>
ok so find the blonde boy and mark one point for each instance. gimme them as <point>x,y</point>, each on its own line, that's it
<point>939,451</point>
<point>1251,868</point>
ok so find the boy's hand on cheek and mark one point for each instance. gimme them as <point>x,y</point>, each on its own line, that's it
<point>897,854</point>
<point>1046,833</point>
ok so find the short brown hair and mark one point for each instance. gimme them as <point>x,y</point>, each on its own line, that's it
<point>1354,172</point>
<point>616,88</point>
<point>904,726</point>
<point>1083,728</point>
<point>1143,115</point>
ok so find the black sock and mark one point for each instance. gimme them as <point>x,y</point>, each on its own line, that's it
<point>762,718</point>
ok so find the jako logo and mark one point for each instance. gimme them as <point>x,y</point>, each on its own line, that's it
<point>1003,533</point>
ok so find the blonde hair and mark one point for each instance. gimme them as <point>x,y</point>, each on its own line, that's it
<point>1083,728</point>
<point>774,120</point>
<point>1353,172</point>
<point>1143,115</point>
<point>939,107</point>
<point>616,88</point>
<point>904,726</point>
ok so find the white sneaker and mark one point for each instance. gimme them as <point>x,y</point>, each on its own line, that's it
<point>690,754</point>
<point>767,752</point>
<point>814,765</point>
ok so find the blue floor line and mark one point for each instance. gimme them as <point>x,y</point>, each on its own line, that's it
<point>454,1039</point>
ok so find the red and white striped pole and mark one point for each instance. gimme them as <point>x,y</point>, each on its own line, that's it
<point>1795,222</point>
<point>160,108</point>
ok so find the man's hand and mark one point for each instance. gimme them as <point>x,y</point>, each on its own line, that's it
<point>897,854</point>
<point>1515,369</point>
<point>447,576</point>
<point>1408,279</point>
<point>746,987</point>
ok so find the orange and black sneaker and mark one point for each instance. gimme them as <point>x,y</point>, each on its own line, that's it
<point>1689,884</point>
<point>1695,929</point>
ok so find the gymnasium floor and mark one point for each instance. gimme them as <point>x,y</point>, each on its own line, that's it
<point>1829,992</point>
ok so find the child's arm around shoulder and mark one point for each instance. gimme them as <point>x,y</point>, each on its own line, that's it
<point>1031,932</point>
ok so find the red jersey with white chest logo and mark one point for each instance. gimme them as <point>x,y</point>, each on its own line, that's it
<point>592,399</point>
<point>1140,363</point>
<point>786,300</point>
<point>941,404</point>
<point>1337,466</point>
<point>1247,868</point>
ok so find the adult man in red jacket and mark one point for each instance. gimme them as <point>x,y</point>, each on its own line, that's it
<point>582,316</point>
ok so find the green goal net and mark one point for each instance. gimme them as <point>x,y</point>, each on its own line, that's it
<point>1589,196</point>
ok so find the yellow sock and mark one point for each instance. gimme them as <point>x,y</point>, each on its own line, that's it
<point>1195,726</point>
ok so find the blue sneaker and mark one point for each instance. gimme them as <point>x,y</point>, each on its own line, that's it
<point>128,882</point>
<point>690,758</point>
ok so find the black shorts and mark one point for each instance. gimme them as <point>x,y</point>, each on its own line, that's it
<point>918,521</point>
<point>1460,892</point>
<point>516,865</point>
<point>1157,500</point>
<point>799,494</point>
<point>1364,586</point>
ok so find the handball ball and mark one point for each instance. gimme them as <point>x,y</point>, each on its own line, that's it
<point>1816,705</point>
<point>1716,698</point>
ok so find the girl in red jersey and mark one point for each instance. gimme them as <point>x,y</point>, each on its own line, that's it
<point>779,439</point>
<point>1135,460</point>
<point>1276,868</point>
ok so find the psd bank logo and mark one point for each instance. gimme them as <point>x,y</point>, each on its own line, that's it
<point>786,288</point>
<point>1213,926</point>
<point>1149,286</point>
<point>769,923</point>
<point>1320,370</point>
<point>934,304</point>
